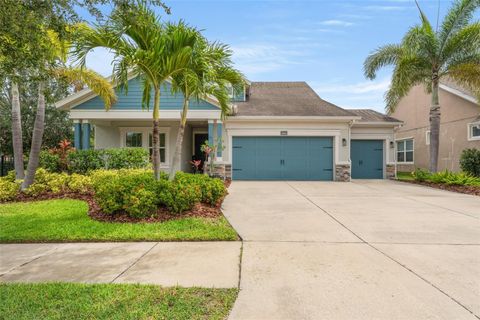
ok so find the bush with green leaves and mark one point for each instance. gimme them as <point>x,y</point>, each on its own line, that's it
<point>9,188</point>
<point>446,177</point>
<point>132,190</point>
<point>470,161</point>
<point>83,161</point>
<point>49,161</point>
<point>179,196</point>
<point>212,189</point>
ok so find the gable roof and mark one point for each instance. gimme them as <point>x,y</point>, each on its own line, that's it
<point>369,115</point>
<point>286,99</point>
<point>453,87</point>
<point>86,94</point>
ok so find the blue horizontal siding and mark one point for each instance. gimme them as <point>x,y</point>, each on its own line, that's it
<point>133,100</point>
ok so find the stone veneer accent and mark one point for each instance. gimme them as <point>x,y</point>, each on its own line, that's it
<point>342,172</point>
<point>221,170</point>
<point>390,171</point>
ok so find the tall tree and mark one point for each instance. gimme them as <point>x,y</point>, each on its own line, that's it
<point>209,72</point>
<point>141,46</point>
<point>427,55</point>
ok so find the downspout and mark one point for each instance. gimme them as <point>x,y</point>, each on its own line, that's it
<point>349,145</point>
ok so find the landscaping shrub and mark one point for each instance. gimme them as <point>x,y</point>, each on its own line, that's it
<point>178,196</point>
<point>140,203</point>
<point>79,183</point>
<point>83,161</point>
<point>470,161</point>
<point>212,189</point>
<point>446,177</point>
<point>8,189</point>
<point>420,174</point>
<point>49,161</point>
<point>126,189</point>
<point>47,182</point>
<point>122,158</point>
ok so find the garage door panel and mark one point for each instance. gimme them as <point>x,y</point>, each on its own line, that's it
<point>367,159</point>
<point>282,158</point>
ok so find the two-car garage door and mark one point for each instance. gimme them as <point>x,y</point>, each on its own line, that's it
<point>282,158</point>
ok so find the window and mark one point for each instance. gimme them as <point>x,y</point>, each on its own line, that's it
<point>133,139</point>
<point>427,137</point>
<point>474,131</point>
<point>141,137</point>
<point>405,151</point>
<point>161,147</point>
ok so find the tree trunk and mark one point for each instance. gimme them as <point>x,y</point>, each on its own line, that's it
<point>17,133</point>
<point>178,146</point>
<point>37,135</point>
<point>156,134</point>
<point>434,127</point>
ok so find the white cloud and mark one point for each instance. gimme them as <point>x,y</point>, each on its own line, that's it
<point>260,58</point>
<point>365,94</point>
<point>386,8</point>
<point>340,23</point>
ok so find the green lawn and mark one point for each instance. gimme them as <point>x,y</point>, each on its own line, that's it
<point>405,176</point>
<point>112,301</point>
<point>66,220</point>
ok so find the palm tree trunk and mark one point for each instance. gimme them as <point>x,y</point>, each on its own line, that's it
<point>38,128</point>
<point>156,134</point>
<point>178,146</point>
<point>434,127</point>
<point>17,133</point>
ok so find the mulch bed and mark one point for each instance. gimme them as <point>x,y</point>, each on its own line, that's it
<point>200,210</point>
<point>454,188</point>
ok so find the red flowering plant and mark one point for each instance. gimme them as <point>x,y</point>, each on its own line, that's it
<point>62,151</point>
<point>196,165</point>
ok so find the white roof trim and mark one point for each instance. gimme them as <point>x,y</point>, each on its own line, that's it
<point>458,93</point>
<point>300,118</point>
<point>86,94</point>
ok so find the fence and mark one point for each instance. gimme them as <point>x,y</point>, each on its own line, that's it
<point>6,164</point>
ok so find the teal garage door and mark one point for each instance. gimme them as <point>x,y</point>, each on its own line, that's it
<point>367,159</point>
<point>282,158</point>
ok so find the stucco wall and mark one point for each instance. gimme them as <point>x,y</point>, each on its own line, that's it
<point>456,113</point>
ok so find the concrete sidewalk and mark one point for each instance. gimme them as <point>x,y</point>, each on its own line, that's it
<point>186,264</point>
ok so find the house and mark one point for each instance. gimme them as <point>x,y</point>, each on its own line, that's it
<point>277,131</point>
<point>459,127</point>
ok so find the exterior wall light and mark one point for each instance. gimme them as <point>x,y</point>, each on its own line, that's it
<point>344,142</point>
<point>392,144</point>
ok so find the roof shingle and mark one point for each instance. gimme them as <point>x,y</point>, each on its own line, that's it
<point>286,99</point>
<point>369,115</point>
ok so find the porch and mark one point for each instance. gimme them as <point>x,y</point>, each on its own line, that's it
<point>120,133</point>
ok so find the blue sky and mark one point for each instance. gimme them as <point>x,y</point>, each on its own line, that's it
<point>321,42</point>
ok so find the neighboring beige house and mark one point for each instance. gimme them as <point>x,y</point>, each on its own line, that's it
<point>459,128</point>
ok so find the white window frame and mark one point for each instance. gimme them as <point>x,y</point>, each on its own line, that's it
<point>145,131</point>
<point>427,137</point>
<point>405,151</point>
<point>470,131</point>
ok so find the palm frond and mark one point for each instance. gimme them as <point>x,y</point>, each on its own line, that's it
<point>98,84</point>
<point>467,75</point>
<point>457,18</point>
<point>383,56</point>
<point>465,42</point>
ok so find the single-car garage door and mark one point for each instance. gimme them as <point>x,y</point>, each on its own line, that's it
<point>282,158</point>
<point>367,159</point>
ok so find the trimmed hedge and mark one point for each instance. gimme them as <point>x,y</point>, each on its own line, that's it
<point>84,161</point>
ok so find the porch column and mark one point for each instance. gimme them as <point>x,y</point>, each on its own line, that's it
<point>219,138</point>
<point>77,134</point>
<point>85,135</point>
<point>210,132</point>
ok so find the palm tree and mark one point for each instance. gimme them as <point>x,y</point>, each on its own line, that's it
<point>17,133</point>
<point>426,55</point>
<point>75,76</point>
<point>209,72</point>
<point>141,45</point>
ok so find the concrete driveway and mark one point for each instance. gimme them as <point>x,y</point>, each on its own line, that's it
<point>359,250</point>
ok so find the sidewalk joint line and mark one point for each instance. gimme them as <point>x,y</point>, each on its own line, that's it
<point>134,263</point>
<point>30,261</point>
